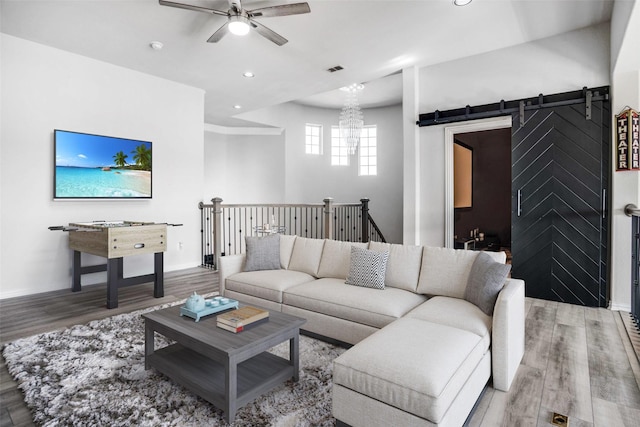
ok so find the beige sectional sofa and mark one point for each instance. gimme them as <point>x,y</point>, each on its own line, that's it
<point>422,353</point>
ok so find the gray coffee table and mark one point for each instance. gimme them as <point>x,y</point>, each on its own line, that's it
<point>226,369</point>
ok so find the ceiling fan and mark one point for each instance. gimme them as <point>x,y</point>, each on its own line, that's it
<point>241,20</point>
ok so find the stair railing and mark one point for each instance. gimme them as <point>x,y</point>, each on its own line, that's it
<point>224,226</point>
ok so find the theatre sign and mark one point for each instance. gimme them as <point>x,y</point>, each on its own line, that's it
<point>627,140</point>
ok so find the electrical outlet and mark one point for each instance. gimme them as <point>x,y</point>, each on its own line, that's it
<point>179,246</point>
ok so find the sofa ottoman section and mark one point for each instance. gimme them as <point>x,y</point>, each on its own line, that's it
<point>416,366</point>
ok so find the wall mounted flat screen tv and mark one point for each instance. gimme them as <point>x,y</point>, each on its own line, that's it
<point>100,167</point>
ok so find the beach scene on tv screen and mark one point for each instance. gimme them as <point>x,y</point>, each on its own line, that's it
<point>94,166</point>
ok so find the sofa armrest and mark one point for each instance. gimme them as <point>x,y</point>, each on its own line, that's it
<point>507,341</point>
<point>228,265</point>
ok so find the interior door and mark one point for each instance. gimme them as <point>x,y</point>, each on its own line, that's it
<point>560,162</point>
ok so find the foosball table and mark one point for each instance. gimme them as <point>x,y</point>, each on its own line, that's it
<point>115,240</point>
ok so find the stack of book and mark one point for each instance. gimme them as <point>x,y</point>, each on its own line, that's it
<point>242,318</point>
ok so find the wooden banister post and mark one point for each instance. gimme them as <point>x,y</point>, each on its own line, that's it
<point>365,219</point>
<point>217,229</point>
<point>328,218</point>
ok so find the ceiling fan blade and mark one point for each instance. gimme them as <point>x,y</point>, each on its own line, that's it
<point>218,35</point>
<point>268,33</point>
<point>192,7</point>
<point>281,10</point>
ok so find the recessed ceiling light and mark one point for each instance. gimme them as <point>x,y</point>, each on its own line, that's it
<point>248,74</point>
<point>237,107</point>
<point>155,45</point>
<point>461,2</point>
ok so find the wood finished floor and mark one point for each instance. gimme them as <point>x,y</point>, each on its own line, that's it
<point>578,361</point>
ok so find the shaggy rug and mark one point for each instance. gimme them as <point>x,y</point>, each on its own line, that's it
<point>93,374</point>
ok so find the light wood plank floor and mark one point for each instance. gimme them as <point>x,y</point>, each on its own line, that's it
<point>578,361</point>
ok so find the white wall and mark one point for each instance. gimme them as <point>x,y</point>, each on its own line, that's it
<point>44,89</point>
<point>310,179</point>
<point>625,75</point>
<point>1,97</point>
<point>552,65</point>
<point>244,168</point>
<point>557,64</point>
<point>411,141</point>
<point>588,57</point>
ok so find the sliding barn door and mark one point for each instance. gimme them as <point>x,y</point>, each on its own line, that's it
<point>560,162</point>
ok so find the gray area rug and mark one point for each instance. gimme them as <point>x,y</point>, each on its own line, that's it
<point>93,375</point>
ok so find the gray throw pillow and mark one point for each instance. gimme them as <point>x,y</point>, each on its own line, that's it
<point>263,253</point>
<point>486,280</point>
<point>367,268</point>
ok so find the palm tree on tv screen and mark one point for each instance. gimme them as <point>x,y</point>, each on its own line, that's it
<point>120,159</point>
<point>142,157</point>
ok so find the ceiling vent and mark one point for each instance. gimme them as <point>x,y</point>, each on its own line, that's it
<point>336,68</point>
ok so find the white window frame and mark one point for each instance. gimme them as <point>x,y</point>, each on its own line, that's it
<point>368,151</point>
<point>339,151</point>
<point>313,141</point>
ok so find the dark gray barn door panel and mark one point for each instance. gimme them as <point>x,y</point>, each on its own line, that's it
<point>560,172</point>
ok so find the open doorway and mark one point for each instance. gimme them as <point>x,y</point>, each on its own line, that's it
<point>483,220</point>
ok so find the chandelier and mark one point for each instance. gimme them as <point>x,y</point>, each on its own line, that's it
<point>351,121</point>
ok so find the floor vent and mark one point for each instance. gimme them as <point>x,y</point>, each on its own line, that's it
<point>559,420</point>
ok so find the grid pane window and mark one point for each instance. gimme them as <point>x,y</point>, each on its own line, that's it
<point>339,152</point>
<point>313,139</point>
<point>368,151</point>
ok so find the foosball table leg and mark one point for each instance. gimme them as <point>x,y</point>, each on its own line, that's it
<point>114,276</point>
<point>158,266</point>
<point>76,272</point>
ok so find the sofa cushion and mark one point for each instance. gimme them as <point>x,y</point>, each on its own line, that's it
<point>403,266</point>
<point>263,253</point>
<point>286,248</point>
<point>336,258</point>
<point>306,255</point>
<point>486,279</point>
<point>454,312</point>
<point>445,271</point>
<point>361,305</point>
<point>266,284</point>
<point>413,365</point>
<point>367,268</point>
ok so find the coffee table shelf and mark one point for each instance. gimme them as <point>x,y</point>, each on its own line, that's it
<point>206,378</point>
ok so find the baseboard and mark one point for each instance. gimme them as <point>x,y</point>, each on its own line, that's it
<point>619,307</point>
<point>177,267</point>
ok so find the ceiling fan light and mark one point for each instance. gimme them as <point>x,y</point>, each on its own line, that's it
<point>238,25</point>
